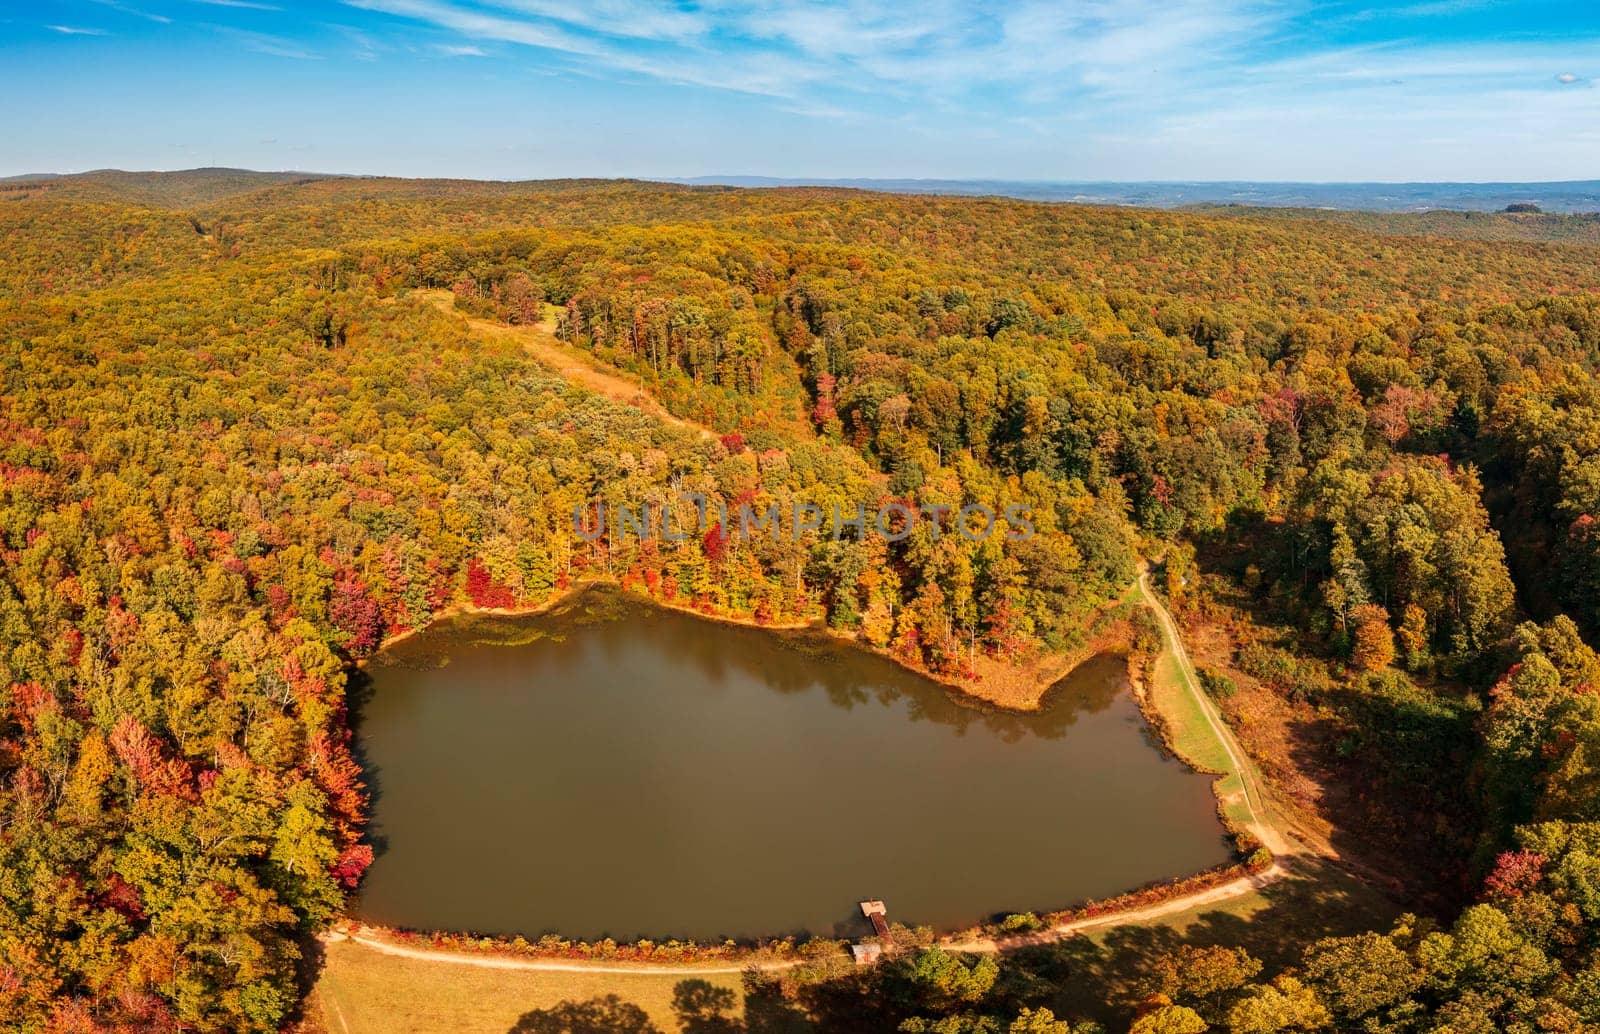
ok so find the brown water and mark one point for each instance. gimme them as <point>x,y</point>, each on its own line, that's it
<point>619,770</point>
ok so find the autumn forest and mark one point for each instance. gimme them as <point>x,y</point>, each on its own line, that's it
<point>253,426</point>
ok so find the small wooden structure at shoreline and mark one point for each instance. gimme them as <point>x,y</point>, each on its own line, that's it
<point>865,953</point>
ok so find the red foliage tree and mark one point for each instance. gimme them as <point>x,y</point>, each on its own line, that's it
<point>142,754</point>
<point>715,545</point>
<point>357,615</point>
<point>824,413</point>
<point>1002,630</point>
<point>338,775</point>
<point>352,864</point>
<point>483,590</point>
<point>123,897</point>
<point>279,604</point>
<point>1515,873</point>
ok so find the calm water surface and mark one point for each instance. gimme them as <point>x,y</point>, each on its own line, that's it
<point>620,770</point>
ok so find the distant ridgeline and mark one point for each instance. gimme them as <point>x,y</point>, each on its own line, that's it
<point>1569,196</point>
<point>235,454</point>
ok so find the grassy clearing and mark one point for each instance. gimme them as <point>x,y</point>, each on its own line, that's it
<point>573,365</point>
<point>1196,731</point>
<point>360,991</point>
<point>1192,737</point>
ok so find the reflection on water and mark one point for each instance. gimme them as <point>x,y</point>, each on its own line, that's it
<point>616,769</point>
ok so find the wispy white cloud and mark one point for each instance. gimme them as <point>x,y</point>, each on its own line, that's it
<point>1441,8</point>
<point>637,19</point>
<point>1099,70</point>
<point>1461,70</point>
<point>773,75</point>
<point>479,25</point>
<point>75,30</point>
<point>1427,9</point>
<point>250,5</point>
<point>862,47</point>
<point>265,43</point>
<point>134,11</point>
<point>1030,88</point>
<point>363,46</point>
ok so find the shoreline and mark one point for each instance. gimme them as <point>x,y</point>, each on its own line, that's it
<point>1206,887</point>
<point>466,608</point>
<point>1249,870</point>
<point>1032,681</point>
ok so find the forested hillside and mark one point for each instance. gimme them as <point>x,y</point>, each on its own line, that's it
<point>238,449</point>
<point>1577,228</point>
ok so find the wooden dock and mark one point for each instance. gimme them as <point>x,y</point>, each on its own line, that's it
<point>879,915</point>
<point>868,952</point>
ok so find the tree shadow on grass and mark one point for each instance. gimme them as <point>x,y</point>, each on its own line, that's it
<point>1103,977</point>
<point>606,1014</point>
<point>704,1008</point>
<point>848,1003</point>
<point>768,1011</point>
<point>307,971</point>
<point>699,1006</point>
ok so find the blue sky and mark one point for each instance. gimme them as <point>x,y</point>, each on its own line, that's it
<point>1069,89</point>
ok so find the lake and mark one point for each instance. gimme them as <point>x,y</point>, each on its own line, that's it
<point>616,769</point>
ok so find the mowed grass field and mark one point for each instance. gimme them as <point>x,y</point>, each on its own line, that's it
<point>1195,733</point>
<point>361,991</point>
<point>1098,975</point>
<point>1192,737</point>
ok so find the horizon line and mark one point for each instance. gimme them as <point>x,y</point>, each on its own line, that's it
<point>712,179</point>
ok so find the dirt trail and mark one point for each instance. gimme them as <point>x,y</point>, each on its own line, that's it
<point>572,365</point>
<point>1160,910</point>
<point>983,945</point>
<point>1269,833</point>
<point>458,958</point>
